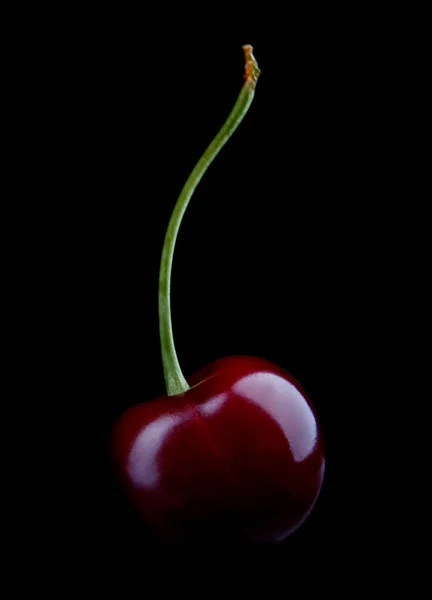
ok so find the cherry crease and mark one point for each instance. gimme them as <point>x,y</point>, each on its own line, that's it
<point>237,458</point>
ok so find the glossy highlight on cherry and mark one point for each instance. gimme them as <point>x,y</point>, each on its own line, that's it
<point>233,455</point>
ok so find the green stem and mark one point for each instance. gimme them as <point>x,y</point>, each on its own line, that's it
<point>174,379</point>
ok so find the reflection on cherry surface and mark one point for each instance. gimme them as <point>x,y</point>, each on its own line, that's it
<point>238,458</point>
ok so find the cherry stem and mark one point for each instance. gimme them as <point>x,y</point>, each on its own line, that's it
<point>174,379</point>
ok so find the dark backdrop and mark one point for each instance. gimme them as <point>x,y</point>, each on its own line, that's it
<point>280,255</point>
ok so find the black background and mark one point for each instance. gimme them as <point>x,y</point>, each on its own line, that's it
<point>283,253</point>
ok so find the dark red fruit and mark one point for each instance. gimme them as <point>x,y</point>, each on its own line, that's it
<point>235,455</point>
<point>238,458</point>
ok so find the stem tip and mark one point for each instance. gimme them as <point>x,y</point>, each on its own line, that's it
<point>252,71</point>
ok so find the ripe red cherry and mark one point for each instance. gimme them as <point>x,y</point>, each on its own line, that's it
<point>235,455</point>
<point>237,458</point>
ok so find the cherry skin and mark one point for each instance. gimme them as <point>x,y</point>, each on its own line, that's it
<point>238,458</point>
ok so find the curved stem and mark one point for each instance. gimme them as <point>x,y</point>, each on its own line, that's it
<point>174,379</point>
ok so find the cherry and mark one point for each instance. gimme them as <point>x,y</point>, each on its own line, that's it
<point>238,457</point>
<point>236,454</point>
